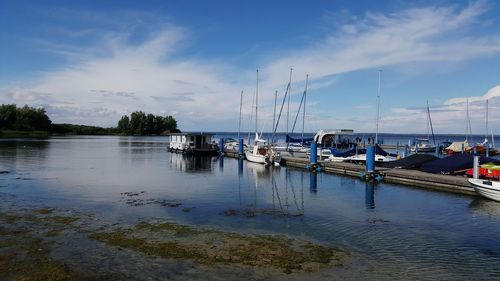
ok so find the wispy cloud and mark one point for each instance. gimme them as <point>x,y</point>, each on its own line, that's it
<point>138,62</point>
<point>414,35</point>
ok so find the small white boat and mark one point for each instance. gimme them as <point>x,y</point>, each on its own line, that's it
<point>262,153</point>
<point>378,158</point>
<point>487,188</point>
<point>423,145</point>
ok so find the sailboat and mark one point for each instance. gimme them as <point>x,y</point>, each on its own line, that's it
<point>462,146</point>
<point>296,147</point>
<point>423,144</point>
<point>261,152</point>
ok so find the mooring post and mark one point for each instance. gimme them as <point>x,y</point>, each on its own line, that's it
<point>474,151</point>
<point>436,152</point>
<point>487,150</point>
<point>314,153</point>
<point>405,151</point>
<point>370,159</point>
<point>463,148</point>
<point>240,148</point>
<point>476,167</point>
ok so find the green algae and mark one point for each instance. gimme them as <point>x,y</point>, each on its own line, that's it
<point>23,256</point>
<point>211,247</point>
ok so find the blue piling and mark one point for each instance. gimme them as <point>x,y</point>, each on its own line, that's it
<point>474,151</point>
<point>370,159</point>
<point>240,148</point>
<point>314,153</point>
<point>436,152</point>
<point>405,151</point>
<point>221,146</point>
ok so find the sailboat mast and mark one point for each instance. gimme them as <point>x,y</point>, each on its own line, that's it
<point>468,126</point>
<point>304,111</point>
<point>430,123</point>
<point>288,105</point>
<point>427,119</point>
<point>239,122</point>
<point>274,113</point>
<point>378,104</point>
<point>257,103</point>
<point>486,135</point>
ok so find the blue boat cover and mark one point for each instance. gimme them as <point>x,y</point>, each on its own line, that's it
<point>453,164</point>
<point>351,152</point>
<point>414,161</point>
<point>298,140</point>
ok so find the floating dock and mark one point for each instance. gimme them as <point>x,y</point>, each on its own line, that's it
<point>448,183</point>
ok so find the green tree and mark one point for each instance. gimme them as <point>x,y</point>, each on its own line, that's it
<point>138,123</point>
<point>124,125</point>
<point>7,116</point>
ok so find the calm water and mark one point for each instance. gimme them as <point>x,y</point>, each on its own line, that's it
<point>394,232</point>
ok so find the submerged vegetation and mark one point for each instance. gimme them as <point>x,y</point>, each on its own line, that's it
<point>33,122</point>
<point>210,247</point>
<point>29,237</point>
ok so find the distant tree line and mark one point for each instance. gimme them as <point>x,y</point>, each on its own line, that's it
<point>23,118</point>
<point>141,124</point>
<point>27,118</point>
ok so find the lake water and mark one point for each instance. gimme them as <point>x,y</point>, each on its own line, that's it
<point>393,232</point>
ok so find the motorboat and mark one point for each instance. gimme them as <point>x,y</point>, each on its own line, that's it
<point>487,188</point>
<point>423,145</point>
<point>262,153</point>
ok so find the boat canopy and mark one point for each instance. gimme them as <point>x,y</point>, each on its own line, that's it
<point>456,146</point>
<point>354,151</point>
<point>452,164</point>
<point>289,139</point>
<point>414,161</point>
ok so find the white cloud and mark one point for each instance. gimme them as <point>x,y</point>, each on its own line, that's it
<point>114,75</point>
<point>414,35</point>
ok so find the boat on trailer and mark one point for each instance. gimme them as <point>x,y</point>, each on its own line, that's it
<point>487,188</point>
<point>193,143</point>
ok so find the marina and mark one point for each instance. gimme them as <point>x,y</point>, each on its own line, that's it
<point>389,230</point>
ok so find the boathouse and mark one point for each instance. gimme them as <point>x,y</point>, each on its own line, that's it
<point>193,143</point>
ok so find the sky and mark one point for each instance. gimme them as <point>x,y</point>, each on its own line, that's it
<point>91,62</point>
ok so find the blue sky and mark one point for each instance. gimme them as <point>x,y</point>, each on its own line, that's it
<point>90,62</point>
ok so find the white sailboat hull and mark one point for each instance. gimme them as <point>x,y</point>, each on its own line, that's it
<point>486,188</point>
<point>255,158</point>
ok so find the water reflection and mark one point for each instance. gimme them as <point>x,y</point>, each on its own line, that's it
<point>486,207</point>
<point>313,182</point>
<point>22,153</point>
<point>190,163</point>
<point>370,195</point>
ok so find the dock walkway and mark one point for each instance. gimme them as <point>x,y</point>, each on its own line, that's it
<point>448,183</point>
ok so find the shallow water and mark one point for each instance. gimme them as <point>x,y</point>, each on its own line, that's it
<point>394,232</point>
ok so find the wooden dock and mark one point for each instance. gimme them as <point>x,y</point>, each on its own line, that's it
<point>448,183</point>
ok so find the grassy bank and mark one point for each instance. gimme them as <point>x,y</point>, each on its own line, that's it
<point>23,134</point>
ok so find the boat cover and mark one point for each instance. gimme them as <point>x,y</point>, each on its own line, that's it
<point>456,146</point>
<point>414,161</point>
<point>298,140</point>
<point>452,164</point>
<point>352,152</point>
